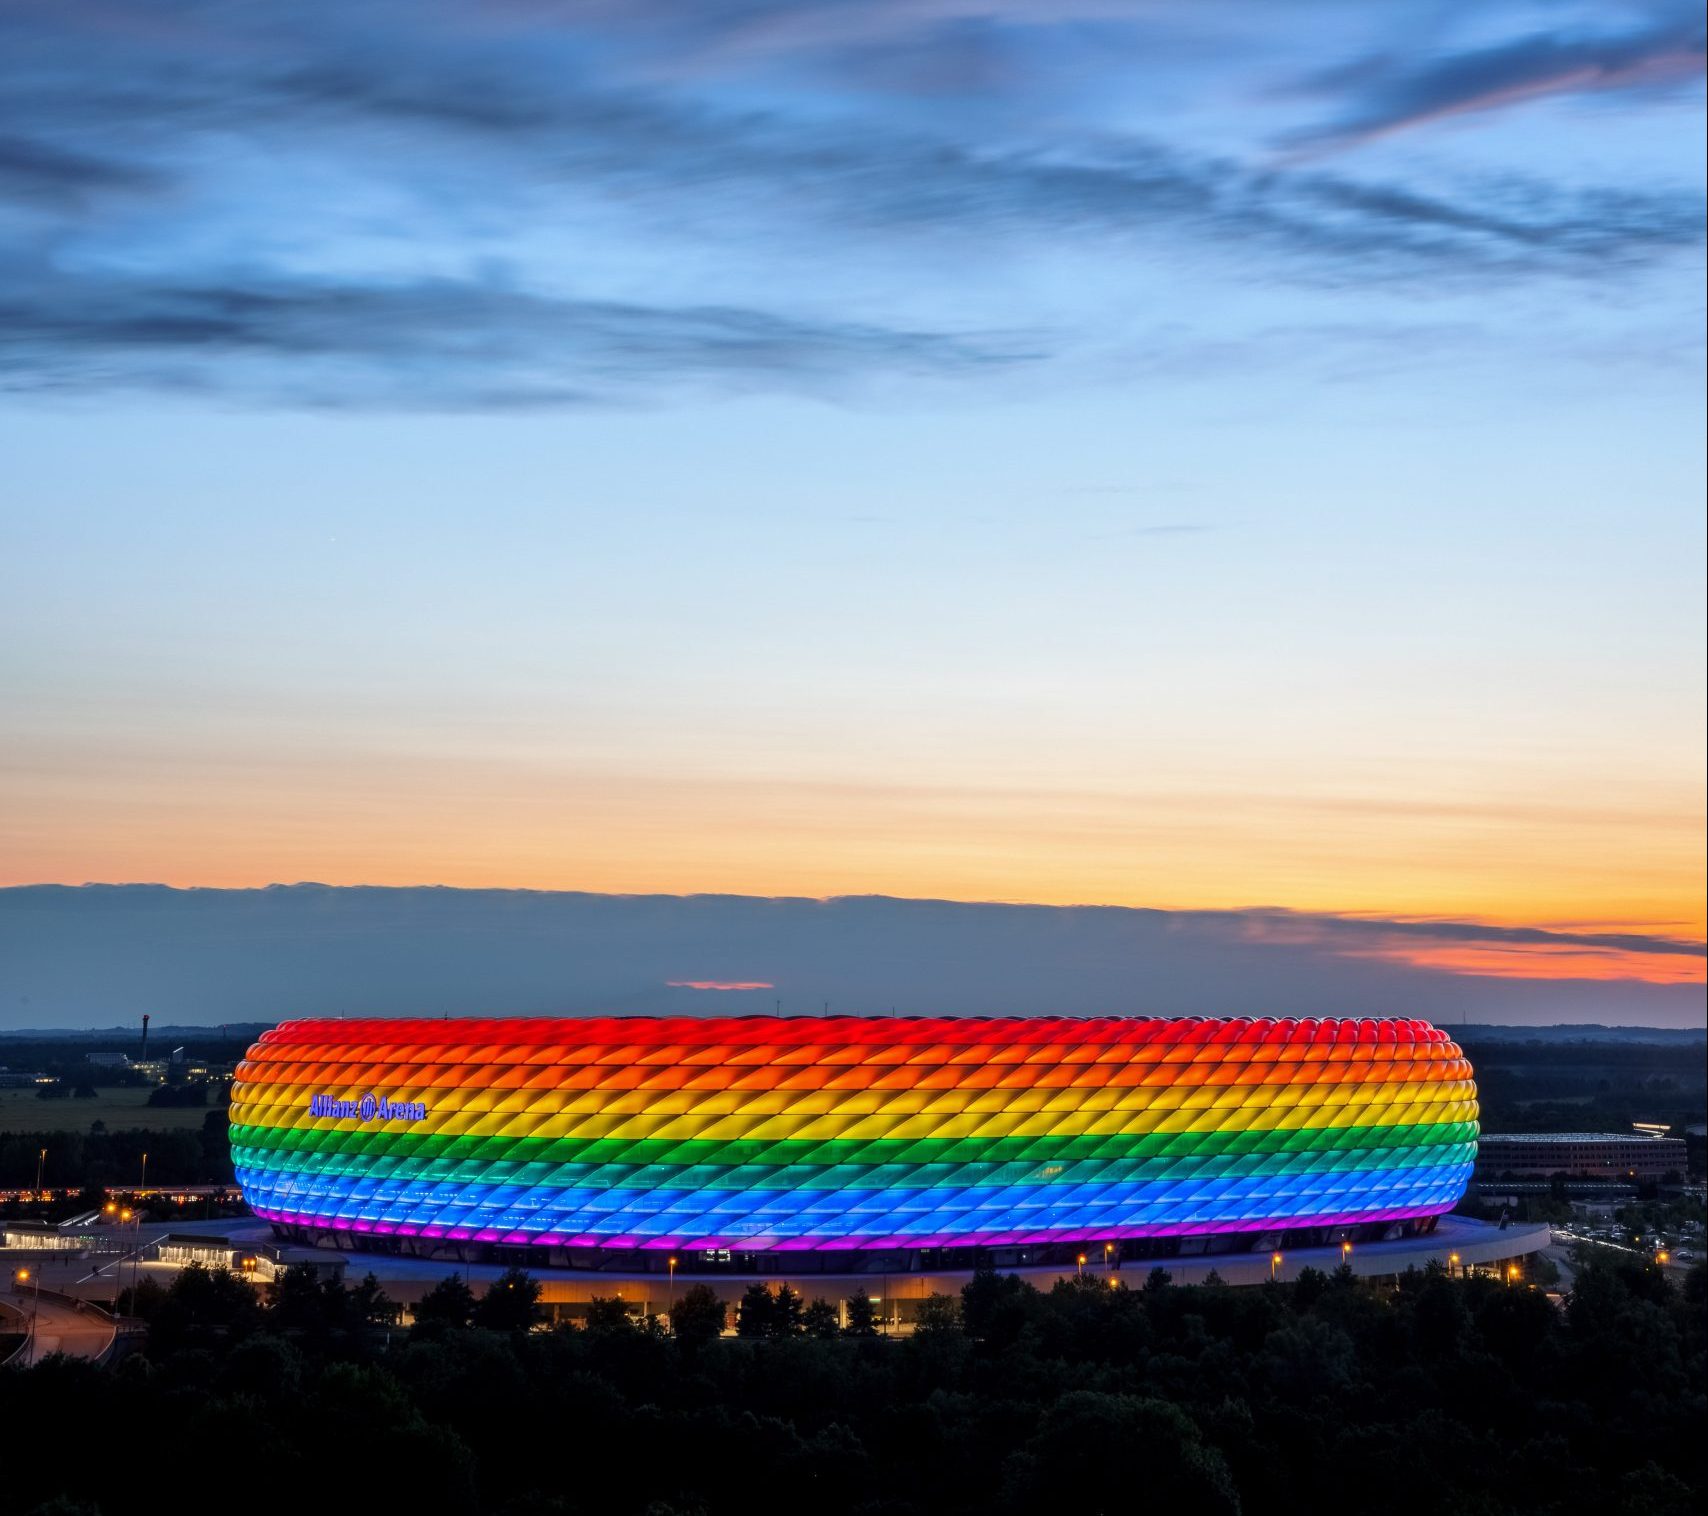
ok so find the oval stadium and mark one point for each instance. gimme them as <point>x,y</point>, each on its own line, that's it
<point>616,1141</point>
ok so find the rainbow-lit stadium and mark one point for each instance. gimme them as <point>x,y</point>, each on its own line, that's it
<point>848,1136</point>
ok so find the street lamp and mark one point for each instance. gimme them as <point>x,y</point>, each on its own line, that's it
<point>1274,1266</point>
<point>144,1185</point>
<point>41,1158</point>
<point>124,1217</point>
<point>31,1278</point>
<point>672,1279</point>
<point>1511,1274</point>
<point>1079,1267</point>
<point>1452,1263</point>
<point>1108,1248</point>
<point>1345,1251</point>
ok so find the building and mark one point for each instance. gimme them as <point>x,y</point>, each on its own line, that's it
<point>850,1144</point>
<point>224,1250</point>
<point>1636,1156</point>
<point>23,1079</point>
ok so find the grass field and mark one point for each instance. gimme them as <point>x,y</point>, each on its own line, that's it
<point>20,1111</point>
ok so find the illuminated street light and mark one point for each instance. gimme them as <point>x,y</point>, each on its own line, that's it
<point>1079,1267</point>
<point>1452,1263</point>
<point>672,1279</point>
<point>1274,1266</point>
<point>25,1276</point>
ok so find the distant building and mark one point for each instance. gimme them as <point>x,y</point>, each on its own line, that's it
<point>20,1079</point>
<point>1594,1155</point>
<point>109,1060</point>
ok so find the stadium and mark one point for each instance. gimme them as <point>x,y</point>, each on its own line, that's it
<point>852,1144</point>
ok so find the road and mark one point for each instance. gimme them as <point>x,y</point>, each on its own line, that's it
<point>60,1326</point>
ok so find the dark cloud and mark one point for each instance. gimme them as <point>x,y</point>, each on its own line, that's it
<point>425,343</point>
<point>1393,94</point>
<point>460,118</point>
<point>76,955</point>
<point>1381,930</point>
<point>31,170</point>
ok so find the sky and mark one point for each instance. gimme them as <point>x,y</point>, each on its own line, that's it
<point>1225,457</point>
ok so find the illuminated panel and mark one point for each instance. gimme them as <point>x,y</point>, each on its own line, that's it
<point>849,1132</point>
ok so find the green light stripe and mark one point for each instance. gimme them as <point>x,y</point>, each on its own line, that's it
<point>694,1163</point>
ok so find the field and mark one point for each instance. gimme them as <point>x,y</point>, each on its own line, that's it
<point>121,1109</point>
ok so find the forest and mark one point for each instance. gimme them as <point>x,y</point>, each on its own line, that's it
<point>1443,1395</point>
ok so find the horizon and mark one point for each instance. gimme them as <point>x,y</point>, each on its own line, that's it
<point>278,951</point>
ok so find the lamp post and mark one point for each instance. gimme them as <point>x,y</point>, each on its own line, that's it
<point>1346,1252</point>
<point>124,1219</point>
<point>41,1159</point>
<point>1108,1248</point>
<point>1452,1264</point>
<point>29,1277</point>
<point>672,1279</point>
<point>1079,1267</point>
<point>1274,1266</point>
<point>144,1185</point>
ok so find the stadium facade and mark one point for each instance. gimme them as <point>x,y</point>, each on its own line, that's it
<point>841,1142</point>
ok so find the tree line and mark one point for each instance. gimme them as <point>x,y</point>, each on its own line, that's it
<point>1444,1395</point>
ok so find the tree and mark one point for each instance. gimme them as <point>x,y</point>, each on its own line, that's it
<point>938,1313</point>
<point>201,1309</point>
<point>1308,1288</point>
<point>753,1312</point>
<point>608,1313</point>
<point>862,1316</point>
<point>995,1307</point>
<point>698,1316</point>
<point>1157,1280</point>
<point>1087,1446</point>
<point>370,1304</point>
<point>510,1304</point>
<point>820,1319</point>
<point>294,1300</point>
<point>786,1313</point>
<point>449,1304</point>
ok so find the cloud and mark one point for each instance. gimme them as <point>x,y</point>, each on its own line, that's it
<point>1393,95</point>
<point>72,954</point>
<point>306,204</point>
<point>1473,948</point>
<point>430,343</point>
<point>1330,928</point>
<point>726,986</point>
<point>32,170</point>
